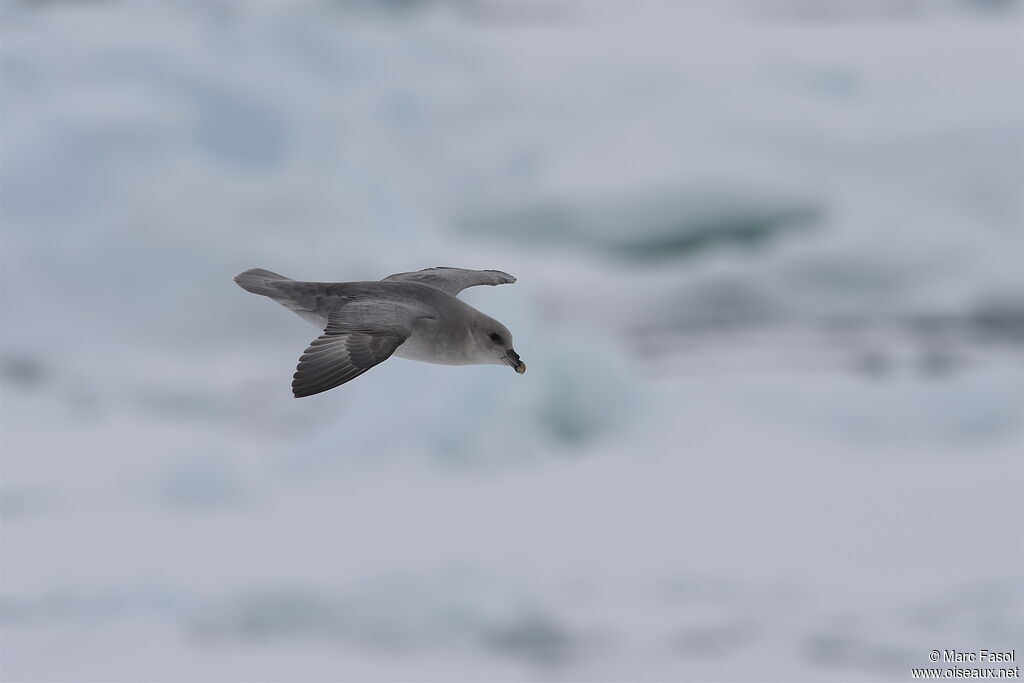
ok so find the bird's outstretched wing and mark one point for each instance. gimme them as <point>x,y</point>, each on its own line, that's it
<point>454,280</point>
<point>358,336</point>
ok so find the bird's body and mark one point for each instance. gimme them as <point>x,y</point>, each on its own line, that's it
<point>412,315</point>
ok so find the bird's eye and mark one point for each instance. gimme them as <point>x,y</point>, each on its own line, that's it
<point>495,336</point>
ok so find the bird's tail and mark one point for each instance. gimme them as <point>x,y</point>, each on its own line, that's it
<point>260,281</point>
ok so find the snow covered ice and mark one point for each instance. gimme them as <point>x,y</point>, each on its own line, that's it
<point>790,234</point>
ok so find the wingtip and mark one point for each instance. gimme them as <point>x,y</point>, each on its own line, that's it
<point>508,279</point>
<point>298,391</point>
<point>259,281</point>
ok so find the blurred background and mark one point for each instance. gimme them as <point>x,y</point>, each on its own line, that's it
<point>770,293</point>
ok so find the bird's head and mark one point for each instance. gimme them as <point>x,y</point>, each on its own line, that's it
<point>495,344</point>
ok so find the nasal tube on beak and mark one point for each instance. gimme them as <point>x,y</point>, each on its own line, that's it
<point>513,359</point>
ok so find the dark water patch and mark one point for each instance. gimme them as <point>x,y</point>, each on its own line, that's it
<point>278,614</point>
<point>998,320</point>
<point>399,622</point>
<point>740,317</point>
<point>736,228</point>
<point>23,371</point>
<point>534,637</point>
<point>647,229</point>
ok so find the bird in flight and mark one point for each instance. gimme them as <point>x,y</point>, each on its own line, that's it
<point>412,315</point>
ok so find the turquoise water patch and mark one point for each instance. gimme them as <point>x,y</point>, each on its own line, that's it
<point>648,229</point>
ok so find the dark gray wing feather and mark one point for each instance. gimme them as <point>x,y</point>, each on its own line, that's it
<point>337,357</point>
<point>357,337</point>
<point>454,280</point>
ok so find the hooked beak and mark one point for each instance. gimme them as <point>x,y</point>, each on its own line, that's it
<point>512,358</point>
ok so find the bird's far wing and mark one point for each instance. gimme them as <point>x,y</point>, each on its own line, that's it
<point>357,337</point>
<point>454,280</point>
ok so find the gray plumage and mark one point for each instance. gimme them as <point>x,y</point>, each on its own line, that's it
<point>414,315</point>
